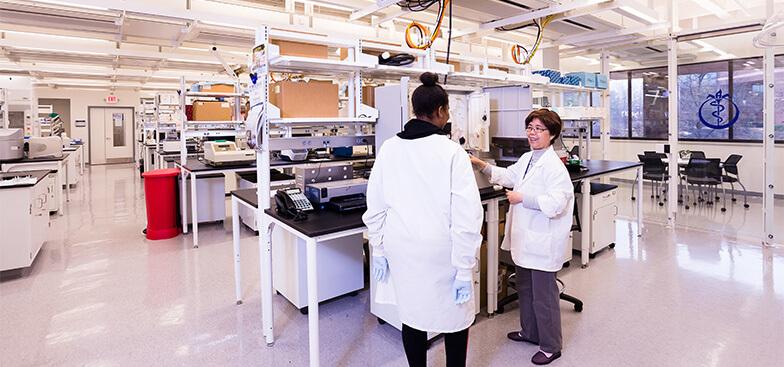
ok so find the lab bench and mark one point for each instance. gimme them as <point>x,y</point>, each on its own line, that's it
<point>59,165</point>
<point>317,234</point>
<point>25,219</point>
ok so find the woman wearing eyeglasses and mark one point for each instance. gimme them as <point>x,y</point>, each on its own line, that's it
<point>537,231</point>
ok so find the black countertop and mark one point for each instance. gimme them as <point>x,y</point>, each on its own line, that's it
<point>491,193</point>
<point>38,160</point>
<point>598,167</point>
<point>39,175</point>
<point>275,175</point>
<point>319,223</point>
<point>195,165</point>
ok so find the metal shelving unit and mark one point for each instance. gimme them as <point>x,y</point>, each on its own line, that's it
<point>4,123</point>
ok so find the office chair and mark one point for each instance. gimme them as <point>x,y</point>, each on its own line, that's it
<point>702,173</point>
<point>731,176</point>
<point>697,154</point>
<point>654,170</point>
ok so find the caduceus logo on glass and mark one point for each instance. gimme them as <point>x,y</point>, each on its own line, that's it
<point>714,112</point>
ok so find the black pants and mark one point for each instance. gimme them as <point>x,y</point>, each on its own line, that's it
<point>415,344</point>
<point>540,314</point>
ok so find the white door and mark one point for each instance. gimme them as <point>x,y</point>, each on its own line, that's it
<point>111,135</point>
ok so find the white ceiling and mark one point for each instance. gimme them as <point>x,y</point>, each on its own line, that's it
<point>145,44</point>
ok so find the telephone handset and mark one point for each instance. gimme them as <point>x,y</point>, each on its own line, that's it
<point>292,203</point>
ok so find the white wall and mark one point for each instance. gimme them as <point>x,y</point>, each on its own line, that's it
<point>81,99</point>
<point>750,167</point>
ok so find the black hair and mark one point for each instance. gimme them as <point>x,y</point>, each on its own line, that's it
<point>428,97</point>
<point>549,119</point>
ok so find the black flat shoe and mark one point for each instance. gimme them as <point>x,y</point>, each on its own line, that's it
<point>516,336</point>
<point>540,359</point>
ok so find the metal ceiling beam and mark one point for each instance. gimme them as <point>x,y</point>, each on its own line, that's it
<point>530,16</point>
<point>370,10</point>
<point>599,36</point>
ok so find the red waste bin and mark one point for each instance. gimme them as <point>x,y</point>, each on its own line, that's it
<point>160,194</point>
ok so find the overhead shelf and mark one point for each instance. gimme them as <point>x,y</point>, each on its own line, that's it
<point>296,64</point>
<point>212,94</point>
<point>397,72</point>
<point>322,120</point>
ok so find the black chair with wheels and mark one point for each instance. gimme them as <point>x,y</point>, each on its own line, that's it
<point>731,176</point>
<point>654,170</point>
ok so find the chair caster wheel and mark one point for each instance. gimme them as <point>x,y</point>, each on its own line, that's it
<point>634,198</point>
<point>723,209</point>
<point>661,204</point>
<point>380,321</point>
<point>746,206</point>
<point>686,207</point>
<point>734,199</point>
<point>652,196</point>
<point>578,308</point>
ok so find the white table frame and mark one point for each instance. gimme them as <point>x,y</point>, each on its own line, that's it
<point>265,259</point>
<point>184,174</point>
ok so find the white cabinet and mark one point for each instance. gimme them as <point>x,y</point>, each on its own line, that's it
<point>604,210</point>
<point>340,264</point>
<point>211,198</point>
<point>24,222</point>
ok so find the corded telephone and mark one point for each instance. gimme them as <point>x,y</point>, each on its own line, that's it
<point>292,203</point>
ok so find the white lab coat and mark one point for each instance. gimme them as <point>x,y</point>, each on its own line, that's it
<point>538,239</point>
<point>424,215</point>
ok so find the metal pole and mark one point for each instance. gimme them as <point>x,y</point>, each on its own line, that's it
<point>604,123</point>
<point>259,95</point>
<point>672,100</point>
<point>768,140</point>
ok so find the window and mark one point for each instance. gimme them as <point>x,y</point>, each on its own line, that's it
<point>639,101</point>
<point>747,89</point>
<point>649,103</point>
<point>619,104</point>
<point>695,83</point>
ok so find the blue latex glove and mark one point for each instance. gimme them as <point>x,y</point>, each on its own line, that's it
<point>462,290</point>
<point>380,267</point>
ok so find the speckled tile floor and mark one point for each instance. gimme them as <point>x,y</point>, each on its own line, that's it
<point>99,294</point>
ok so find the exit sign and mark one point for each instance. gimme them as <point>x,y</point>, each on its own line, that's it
<point>112,99</point>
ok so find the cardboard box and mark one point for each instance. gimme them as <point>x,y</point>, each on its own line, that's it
<point>217,88</point>
<point>369,95</point>
<point>290,48</point>
<point>305,99</point>
<point>212,111</point>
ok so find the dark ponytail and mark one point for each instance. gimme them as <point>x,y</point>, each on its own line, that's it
<point>428,97</point>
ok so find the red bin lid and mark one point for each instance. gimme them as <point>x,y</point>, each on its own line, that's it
<point>159,173</point>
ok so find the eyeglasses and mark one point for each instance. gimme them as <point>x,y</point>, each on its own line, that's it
<point>538,129</point>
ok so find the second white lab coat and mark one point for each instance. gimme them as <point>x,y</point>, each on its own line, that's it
<point>538,239</point>
<point>424,215</point>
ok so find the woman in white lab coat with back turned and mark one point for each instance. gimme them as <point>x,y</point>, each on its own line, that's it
<point>424,218</point>
<point>537,231</point>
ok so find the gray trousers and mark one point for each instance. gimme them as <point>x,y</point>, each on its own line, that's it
<point>540,313</point>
